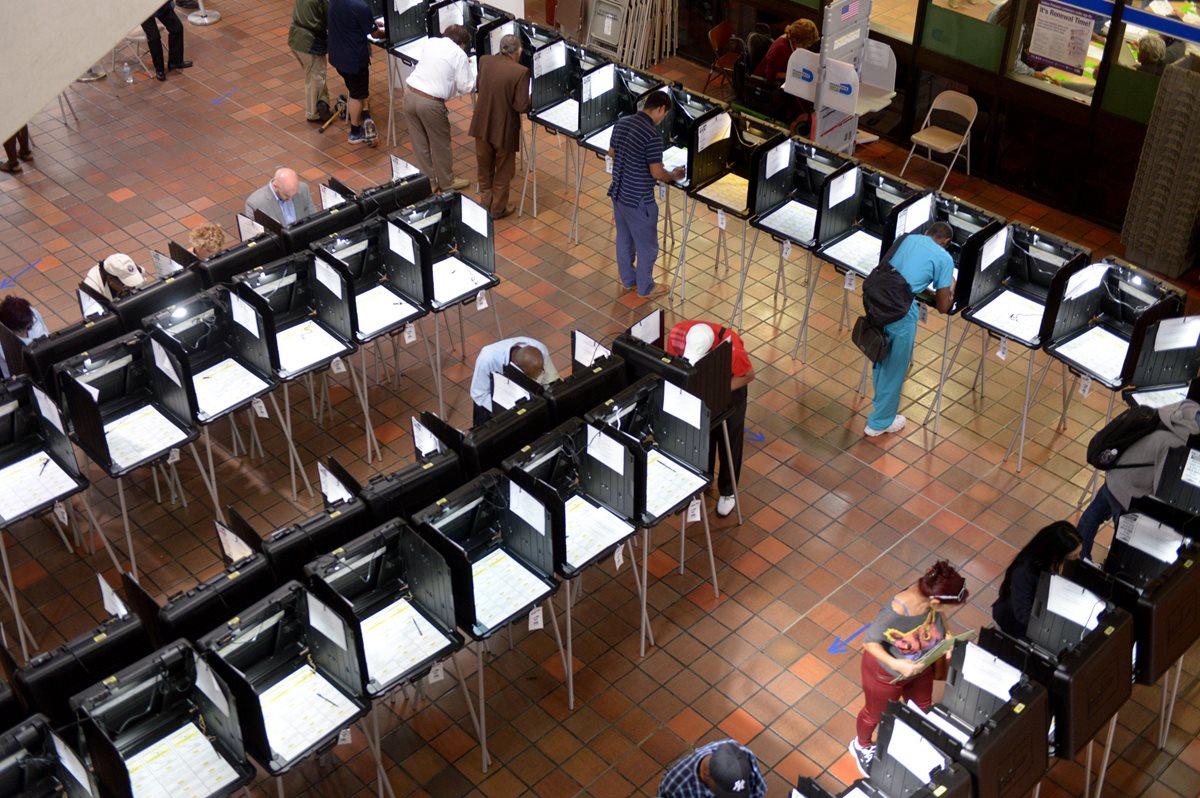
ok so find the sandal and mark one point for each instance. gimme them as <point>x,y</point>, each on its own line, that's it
<point>12,167</point>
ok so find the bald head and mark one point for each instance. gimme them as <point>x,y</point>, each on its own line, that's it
<point>529,360</point>
<point>286,183</point>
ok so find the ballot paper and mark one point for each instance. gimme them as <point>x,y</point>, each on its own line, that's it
<point>71,763</point>
<point>993,249</point>
<point>225,385</point>
<point>591,529</point>
<point>300,710</point>
<point>381,307</point>
<point>712,130</point>
<point>1083,281</point>
<point>332,488</point>
<point>648,329</point>
<point>795,220</point>
<point>668,483</point>
<point>140,435</point>
<point>47,408</point>
<point>1077,604</point>
<point>1149,536</point>
<point>730,191</point>
<point>1177,334</point>
<point>207,683</point>
<point>404,5</point>
<point>587,351</point>
<point>450,15</point>
<point>527,508</point>
<point>989,672</point>
<point>454,279</point>
<point>425,441</point>
<point>303,345</point>
<point>1098,352</point>
<point>681,404</point>
<point>606,449</point>
<point>859,252</point>
<point>1160,397</point>
<point>503,587</point>
<point>914,752</point>
<point>842,187</point>
<point>563,115</point>
<point>397,639</point>
<point>184,764</point>
<point>1191,469</point>
<point>30,483</point>
<point>943,724</point>
<point>675,157</point>
<point>402,168</point>
<point>1013,315</point>
<point>401,243</point>
<point>598,83</point>
<point>603,137</point>
<point>411,50</point>
<point>164,266</point>
<point>327,276</point>
<point>330,198</point>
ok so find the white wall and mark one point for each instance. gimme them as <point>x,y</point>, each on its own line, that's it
<point>46,45</point>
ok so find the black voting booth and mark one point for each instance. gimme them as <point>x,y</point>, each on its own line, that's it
<point>903,735</point>
<point>294,682</point>
<point>164,722</point>
<point>1178,486</point>
<point>399,495</point>
<point>221,268</point>
<point>288,549</point>
<point>394,592</point>
<point>148,299</point>
<point>600,112</point>
<point>1087,672</point>
<point>1168,363</point>
<point>36,763</point>
<point>38,357</point>
<point>297,237</point>
<point>586,387</point>
<point>406,23</point>
<point>859,217</point>
<point>485,445</point>
<point>37,470</point>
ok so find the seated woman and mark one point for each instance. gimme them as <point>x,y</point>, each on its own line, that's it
<point>1152,54</point>
<point>24,320</point>
<point>1048,551</point>
<point>800,35</point>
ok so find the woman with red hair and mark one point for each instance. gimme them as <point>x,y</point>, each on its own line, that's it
<point>904,630</point>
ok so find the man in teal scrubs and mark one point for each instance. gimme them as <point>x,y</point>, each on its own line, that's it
<point>923,261</point>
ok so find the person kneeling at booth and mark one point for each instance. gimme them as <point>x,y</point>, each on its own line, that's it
<point>530,356</point>
<point>692,340</point>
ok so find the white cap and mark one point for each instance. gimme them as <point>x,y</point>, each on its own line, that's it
<point>698,343</point>
<point>124,269</point>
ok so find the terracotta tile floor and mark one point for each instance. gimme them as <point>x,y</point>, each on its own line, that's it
<point>834,522</point>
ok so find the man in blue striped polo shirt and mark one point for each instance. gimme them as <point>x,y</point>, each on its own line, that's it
<point>636,151</point>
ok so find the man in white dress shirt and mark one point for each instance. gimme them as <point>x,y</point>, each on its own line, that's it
<point>443,72</point>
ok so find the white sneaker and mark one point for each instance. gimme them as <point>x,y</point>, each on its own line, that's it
<point>724,506</point>
<point>862,757</point>
<point>895,426</point>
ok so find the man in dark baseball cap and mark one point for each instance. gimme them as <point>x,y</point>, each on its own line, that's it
<point>723,769</point>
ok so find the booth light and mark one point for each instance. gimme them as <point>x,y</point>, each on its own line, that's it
<point>179,313</point>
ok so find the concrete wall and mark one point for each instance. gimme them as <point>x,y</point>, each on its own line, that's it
<point>47,45</point>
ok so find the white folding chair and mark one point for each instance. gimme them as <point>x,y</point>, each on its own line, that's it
<point>133,44</point>
<point>943,141</point>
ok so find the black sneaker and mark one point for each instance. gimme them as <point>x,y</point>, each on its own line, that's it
<point>862,757</point>
<point>356,135</point>
<point>323,112</point>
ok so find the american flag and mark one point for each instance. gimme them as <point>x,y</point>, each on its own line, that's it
<point>850,10</point>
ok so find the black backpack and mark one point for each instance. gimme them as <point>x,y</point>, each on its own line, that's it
<point>886,294</point>
<point>1107,445</point>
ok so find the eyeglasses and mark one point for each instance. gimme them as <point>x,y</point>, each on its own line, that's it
<point>961,595</point>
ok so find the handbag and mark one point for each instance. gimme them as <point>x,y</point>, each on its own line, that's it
<point>871,341</point>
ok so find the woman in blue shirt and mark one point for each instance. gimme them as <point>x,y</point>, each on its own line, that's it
<point>23,319</point>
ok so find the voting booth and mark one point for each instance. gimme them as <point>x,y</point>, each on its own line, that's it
<point>588,384</point>
<point>493,536</point>
<point>223,364</point>
<point>906,763</point>
<point>861,219</point>
<point>623,98</point>
<point>338,210</point>
<point>1167,365</point>
<point>290,548</point>
<point>686,111</point>
<point>723,154</point>
<point>129,409</point>
<point>453,240</point>
<point>151,297</point>
<point>1179,484</point>
<point>164,725</point>
<point>397,496</point>
<point>220,269</point>
<point>38,472</point>
<point>293,681</point>
<point>35,761</point>
<point>38,357</point>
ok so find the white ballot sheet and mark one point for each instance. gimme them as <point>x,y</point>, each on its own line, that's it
<point>223,386</point>
<point>563,115</point>
<point>681,404</point>
<point>303,345</point>
<point>139,435</point>
<point>674,157</point>
<point>988,672</point>
<point>1075,603</point>
<point>31,482</point>
<point>914,752</point>
<point>602,138</point>
<point>1147,535</point>
<point>794,220</point>
<point>729,192</point>
<point>1017,317</point>
<point>330,198</point>
<point>503,587</point>
<point>397,639</point>
<point>381,307</point>
<point>591,529</point>
<point>859,252</point>
<point>301,709</point>
<point>505,392</point>
<point>1160,397</point>
<point>184,764</point>
<point>940,722</point>
<point>668,483</point>
<point>453,279</point>
<point>248,228</point>
<point>1097,351</point>
<point>712,130</point>
<point>606,449</point>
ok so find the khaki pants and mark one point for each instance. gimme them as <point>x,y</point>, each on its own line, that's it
<point>496,169</point>
<point>429,127</point>
<point>315,89</point>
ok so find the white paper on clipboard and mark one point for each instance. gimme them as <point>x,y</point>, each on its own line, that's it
<point>841,188</point>
<point>605,449</point>
<point>243,314</point>
<point>527,508</point>
<point>682,404</point>
<point>474,215</point>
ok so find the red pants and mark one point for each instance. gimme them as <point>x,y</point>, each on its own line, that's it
<point>878,692</point>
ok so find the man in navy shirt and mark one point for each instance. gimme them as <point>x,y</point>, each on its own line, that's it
<point>636,151</point>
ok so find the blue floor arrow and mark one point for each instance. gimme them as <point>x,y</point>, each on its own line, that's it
<point>840,646</point>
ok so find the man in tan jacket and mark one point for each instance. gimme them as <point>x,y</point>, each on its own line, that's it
<point>496,125</point>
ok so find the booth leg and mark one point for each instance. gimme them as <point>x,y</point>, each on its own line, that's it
<point>62,535</point>
<point>681,266</point>
<point>374,742</point>
<point>645,590</point>
<point>1019,438</point>
<point>237,445</point>
<point>580,162</point>
<point>360,387</point>
<point>285,423</point>
<point>712,562</point>
<point>780,274</point>
<point>1066,397</point>
<point>570,648</point>
<point>391,134</point>
<point>936,407</point>
<point>942,376</point>
<point>682,541</point>
<point>255,441</point>
<point>810,286</point>
<point>125,520</point>
<point>844,316</point>
<point>568,670</point>
<point>112,555</point>
<point>437,366</point>
<point>1169,708</point>
<point>10,595</point>
<point>483,749</point>
<point>737,499</point>
<point>462,335</point>
<point>862,377</point>
<point>739,308</point>
<point>208,479</point>
<point>279,787</point>
<point>1112,727</point>
<point>496,316</point>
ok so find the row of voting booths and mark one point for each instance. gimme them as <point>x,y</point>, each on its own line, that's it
<point>309,627</point>
<point>142,379</point>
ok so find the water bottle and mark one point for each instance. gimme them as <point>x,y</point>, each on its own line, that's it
<point>127,71</point>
